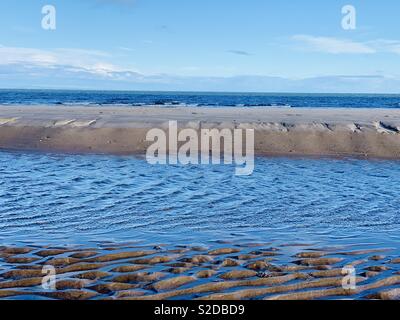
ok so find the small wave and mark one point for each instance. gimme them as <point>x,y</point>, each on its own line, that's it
<point>175,99</point>
<point>394,105</point>
<point>284,105</point>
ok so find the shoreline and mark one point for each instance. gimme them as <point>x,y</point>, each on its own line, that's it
<point>363,133</point>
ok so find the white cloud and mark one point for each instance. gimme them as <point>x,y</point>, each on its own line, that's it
<point>91,69</point>
<point>384,45</point>
<point>126,49</point>
<point>346,46</point>
<point>334,45</point>
<point>92,61</point>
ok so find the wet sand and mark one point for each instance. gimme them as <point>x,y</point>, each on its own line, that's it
<point>219,271</point>
<point>278,131</point>
<point>223,271</point>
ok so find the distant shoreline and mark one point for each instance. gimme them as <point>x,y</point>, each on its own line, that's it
<point>370,133</point>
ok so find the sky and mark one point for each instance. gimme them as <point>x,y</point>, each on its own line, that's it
<point>205,45</point>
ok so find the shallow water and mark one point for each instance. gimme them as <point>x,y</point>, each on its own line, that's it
<point>74,199</point>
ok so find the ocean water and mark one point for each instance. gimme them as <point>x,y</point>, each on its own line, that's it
<point>78,198</point>
<point>129,99</point>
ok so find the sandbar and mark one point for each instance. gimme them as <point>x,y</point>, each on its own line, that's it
<point>371,133</point>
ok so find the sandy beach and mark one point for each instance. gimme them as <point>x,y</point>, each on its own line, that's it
<point>223,271</point>
<point>278,131</point>
<point>196,159</point>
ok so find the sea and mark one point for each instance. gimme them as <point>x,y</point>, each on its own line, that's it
<point>216,100</point>
<point>64,198</point>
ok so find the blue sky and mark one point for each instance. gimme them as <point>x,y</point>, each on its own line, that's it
<point>212,45</point>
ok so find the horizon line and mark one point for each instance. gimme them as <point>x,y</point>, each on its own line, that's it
<point>201,92</point>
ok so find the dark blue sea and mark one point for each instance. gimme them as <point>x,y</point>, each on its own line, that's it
<point>132,98</point>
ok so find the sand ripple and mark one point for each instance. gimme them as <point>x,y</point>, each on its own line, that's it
<point>223,272</point>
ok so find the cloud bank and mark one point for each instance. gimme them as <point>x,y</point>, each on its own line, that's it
<point>90,69</point>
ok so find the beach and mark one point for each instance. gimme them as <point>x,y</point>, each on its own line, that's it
<point>224,271</point>
<point>170,153</point>
<point>88,206</point>
<point>278,131</point>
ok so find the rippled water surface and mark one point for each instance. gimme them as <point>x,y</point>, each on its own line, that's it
<point>74,198</point>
